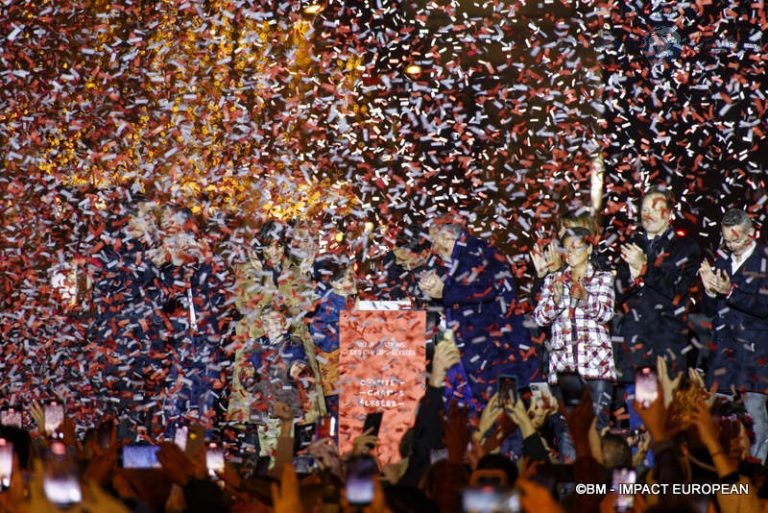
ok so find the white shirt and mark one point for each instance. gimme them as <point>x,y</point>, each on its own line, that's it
<point>737,261</point>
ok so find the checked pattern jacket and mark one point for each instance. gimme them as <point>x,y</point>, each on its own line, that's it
<point>580,340</point>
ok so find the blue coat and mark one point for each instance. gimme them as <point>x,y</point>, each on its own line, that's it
<point>740,325</point>
<point>271,364</point>
<point>325,334</point>
<point>479,296</point>
<point>324,327</point>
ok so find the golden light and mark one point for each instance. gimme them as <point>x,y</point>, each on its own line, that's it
<point>313,9</point>
<point>413,70</point>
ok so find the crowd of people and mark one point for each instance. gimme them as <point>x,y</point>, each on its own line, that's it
<point>609,383</point>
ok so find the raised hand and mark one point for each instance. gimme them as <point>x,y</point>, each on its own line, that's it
<point>326,454</point>
<point>578,291</point>
<point>521,417</point>
<point>579,421</point>
<point>230,476</point>
<point>540,264</point>
<point>701,418</point>
<point>283,412</point>
<point>175,463</point>
<point>364,443</point>
<point>456,434</point>
<point>545,259</point>
<point>709,279</point>
<point>102,465</point>
<point>37,411</point>
<point>723,282</point>
<point>431,284</point>
<point>557,291</point>
<point>446,356</point>
<point>542,407</point>
<point>285,496</point>
<point>698,380</point>
<point>654,417</point>
<point>489,416</point>
<point>635,258</point>
<point>667,385</point>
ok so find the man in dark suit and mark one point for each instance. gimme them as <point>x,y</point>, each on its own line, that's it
<point>126,328</point>
<point>656,271</point>
<point>478,293</point>
<point>401,267</point>
<point>737,299</point>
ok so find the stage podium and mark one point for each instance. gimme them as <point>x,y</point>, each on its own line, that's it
<point>382,362</point>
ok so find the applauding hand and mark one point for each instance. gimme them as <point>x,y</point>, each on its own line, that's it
<point>635,258</point>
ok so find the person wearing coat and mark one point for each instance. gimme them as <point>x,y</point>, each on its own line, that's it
<point>325,329</point>
<point>272,274</point>
<point>398,278</point>
<point>653,280</point>
<point>577,302</point>
<point>193,306</point>
<point>736,297</point>
<point>269,370</point>
<point>127,325</point>
<point>477,290</point>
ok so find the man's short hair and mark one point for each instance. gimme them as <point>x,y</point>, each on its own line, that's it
<point>271,231</point>
<point>333,268</point>
<point>452,228</point>
<point>577,218</point>
<point>412,238</point>
<point>736,217</point>
<point>616,451</point>
<point>663,192</point>
<point>579,233</point>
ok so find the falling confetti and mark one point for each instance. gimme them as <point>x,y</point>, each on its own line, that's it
<point>247,110</point>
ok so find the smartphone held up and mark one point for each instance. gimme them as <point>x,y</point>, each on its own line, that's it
<point>507,390</point>
<point>54,416</point>
<point>646,386</point>
<point>11,416</point>
<point>60,482</point>
<point>361,471</point>
<point>625,498</point>
<point>373,423</point>
<point>214,460</point>
<point>6,463</point>
<point>138,456</point>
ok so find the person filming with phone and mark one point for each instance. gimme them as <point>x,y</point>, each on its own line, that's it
<point>577,302</point>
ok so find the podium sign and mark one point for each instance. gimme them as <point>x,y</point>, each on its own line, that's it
<point>382,362</point>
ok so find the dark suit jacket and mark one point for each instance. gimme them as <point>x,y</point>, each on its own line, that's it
<point>479,295</point>
<point>654,309</point>
<point>394,283</point>
<point>740,325</point>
